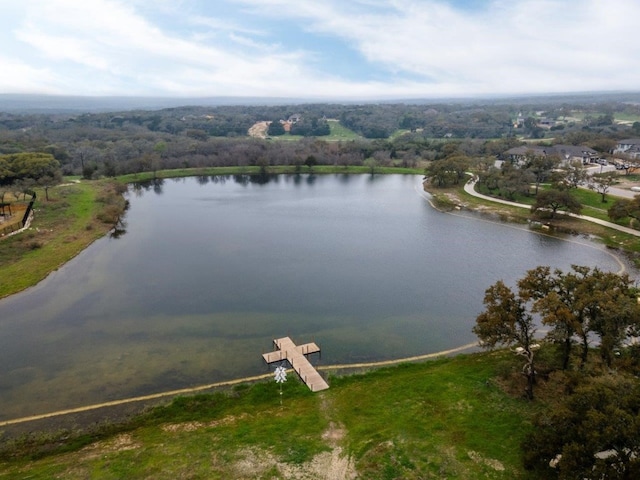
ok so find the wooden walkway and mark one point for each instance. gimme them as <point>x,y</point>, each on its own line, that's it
<point>295,355</point>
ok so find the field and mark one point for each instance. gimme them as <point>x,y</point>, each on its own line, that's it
<point>425,420</point>
<point>338,133</point>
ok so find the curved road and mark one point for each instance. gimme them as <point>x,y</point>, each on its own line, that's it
<point>469,187</point>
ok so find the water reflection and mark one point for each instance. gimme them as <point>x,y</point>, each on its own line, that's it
<point>155,185</point>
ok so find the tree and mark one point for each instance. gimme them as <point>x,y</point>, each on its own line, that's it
<point>310,162</point>
<point>275,128</point>
<point>371,164</point>
<point>506,322</point>
<point>513,181</point>
<point>582,303</point>
<point>616,313</point>
<point>601,183</point>
<point>554,199</point>
<point>448,171</point>
<point>553,296</point>
<point>625,208</point>
<point>540,166</point>
<point>84,153</point>
<point>530,123</point>
<point>460,165</point>
<point>439,173</point>
<point>591,435</point>
<point>310,126</point>
<point>49,181</point>
<point>574,175</point>
<point>27,166</point>
<point>197,134</point>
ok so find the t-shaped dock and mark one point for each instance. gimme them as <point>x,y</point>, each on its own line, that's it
<point>295,355</point>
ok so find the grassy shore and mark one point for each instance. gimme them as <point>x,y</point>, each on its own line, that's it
<point>271,170</point>
<point>449,199</point>
<point>75,216</point>
<point>446,418</point>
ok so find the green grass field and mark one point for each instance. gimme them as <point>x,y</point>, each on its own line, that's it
<point>440,419</point>
<point>338,133</point>
<point>626,117</point>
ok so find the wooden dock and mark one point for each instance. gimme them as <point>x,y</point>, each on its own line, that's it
<point>295,355</point>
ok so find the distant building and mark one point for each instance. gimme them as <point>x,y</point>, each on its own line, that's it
<point>566,153</point>
<point>629,147</point>
<point>572,153</point>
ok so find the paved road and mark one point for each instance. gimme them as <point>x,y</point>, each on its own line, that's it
<point>622,192</point>
<point>469,187</point>
<point>615,191</point>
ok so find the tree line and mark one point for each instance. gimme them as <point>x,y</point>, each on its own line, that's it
<point>444,137</point>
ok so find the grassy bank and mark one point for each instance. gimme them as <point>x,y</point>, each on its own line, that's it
<point>271,170</point>
<point>449,199</point>
<point>440,419</point>
<point>75,215</point>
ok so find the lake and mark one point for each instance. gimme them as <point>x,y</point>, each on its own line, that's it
<point>212,269</point>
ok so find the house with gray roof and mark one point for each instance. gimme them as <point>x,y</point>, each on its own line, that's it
<point>629,147</point>
<point>566,153</point>
<point>572,153</point>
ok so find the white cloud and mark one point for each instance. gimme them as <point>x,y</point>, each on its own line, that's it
<point>19,77</point>
<point>527,45</point>
<point>427,47</point>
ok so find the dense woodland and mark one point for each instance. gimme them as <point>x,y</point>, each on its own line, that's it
<point>407,135</point>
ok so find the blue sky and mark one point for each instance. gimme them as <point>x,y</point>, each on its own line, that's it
<point>322,49</point>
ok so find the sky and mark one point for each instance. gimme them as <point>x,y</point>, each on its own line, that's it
<point>318,49</point>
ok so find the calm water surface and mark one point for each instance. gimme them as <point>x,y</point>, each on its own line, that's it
<point>212,269</point>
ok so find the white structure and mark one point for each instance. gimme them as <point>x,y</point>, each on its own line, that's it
<point>629,147</point>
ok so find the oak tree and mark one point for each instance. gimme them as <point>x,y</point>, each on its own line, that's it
<point>553,200</point>
<point>506,322</point>
<point>593,434</point>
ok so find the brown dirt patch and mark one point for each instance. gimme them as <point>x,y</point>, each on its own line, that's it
<point>255,463</point>
<point>193,426</point>
<point>259,129</point>
<point>119,443</point>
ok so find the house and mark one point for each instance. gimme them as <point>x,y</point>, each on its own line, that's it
<point>566,153</point>
<point>572,153</point>
<point>518,155</point>
<point>629,147</point>
<point>546,123</point>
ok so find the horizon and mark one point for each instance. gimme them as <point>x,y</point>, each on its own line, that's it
<point>364,50</point>
<point>53,103</point>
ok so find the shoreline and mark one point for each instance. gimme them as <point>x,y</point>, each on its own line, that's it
<point>160,395</point>
<point>228,383</point>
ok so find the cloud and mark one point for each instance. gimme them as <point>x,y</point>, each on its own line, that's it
<point>269,48</point>
<point>552,45</point>
<point>21,77</point>
<point>110,38</point>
